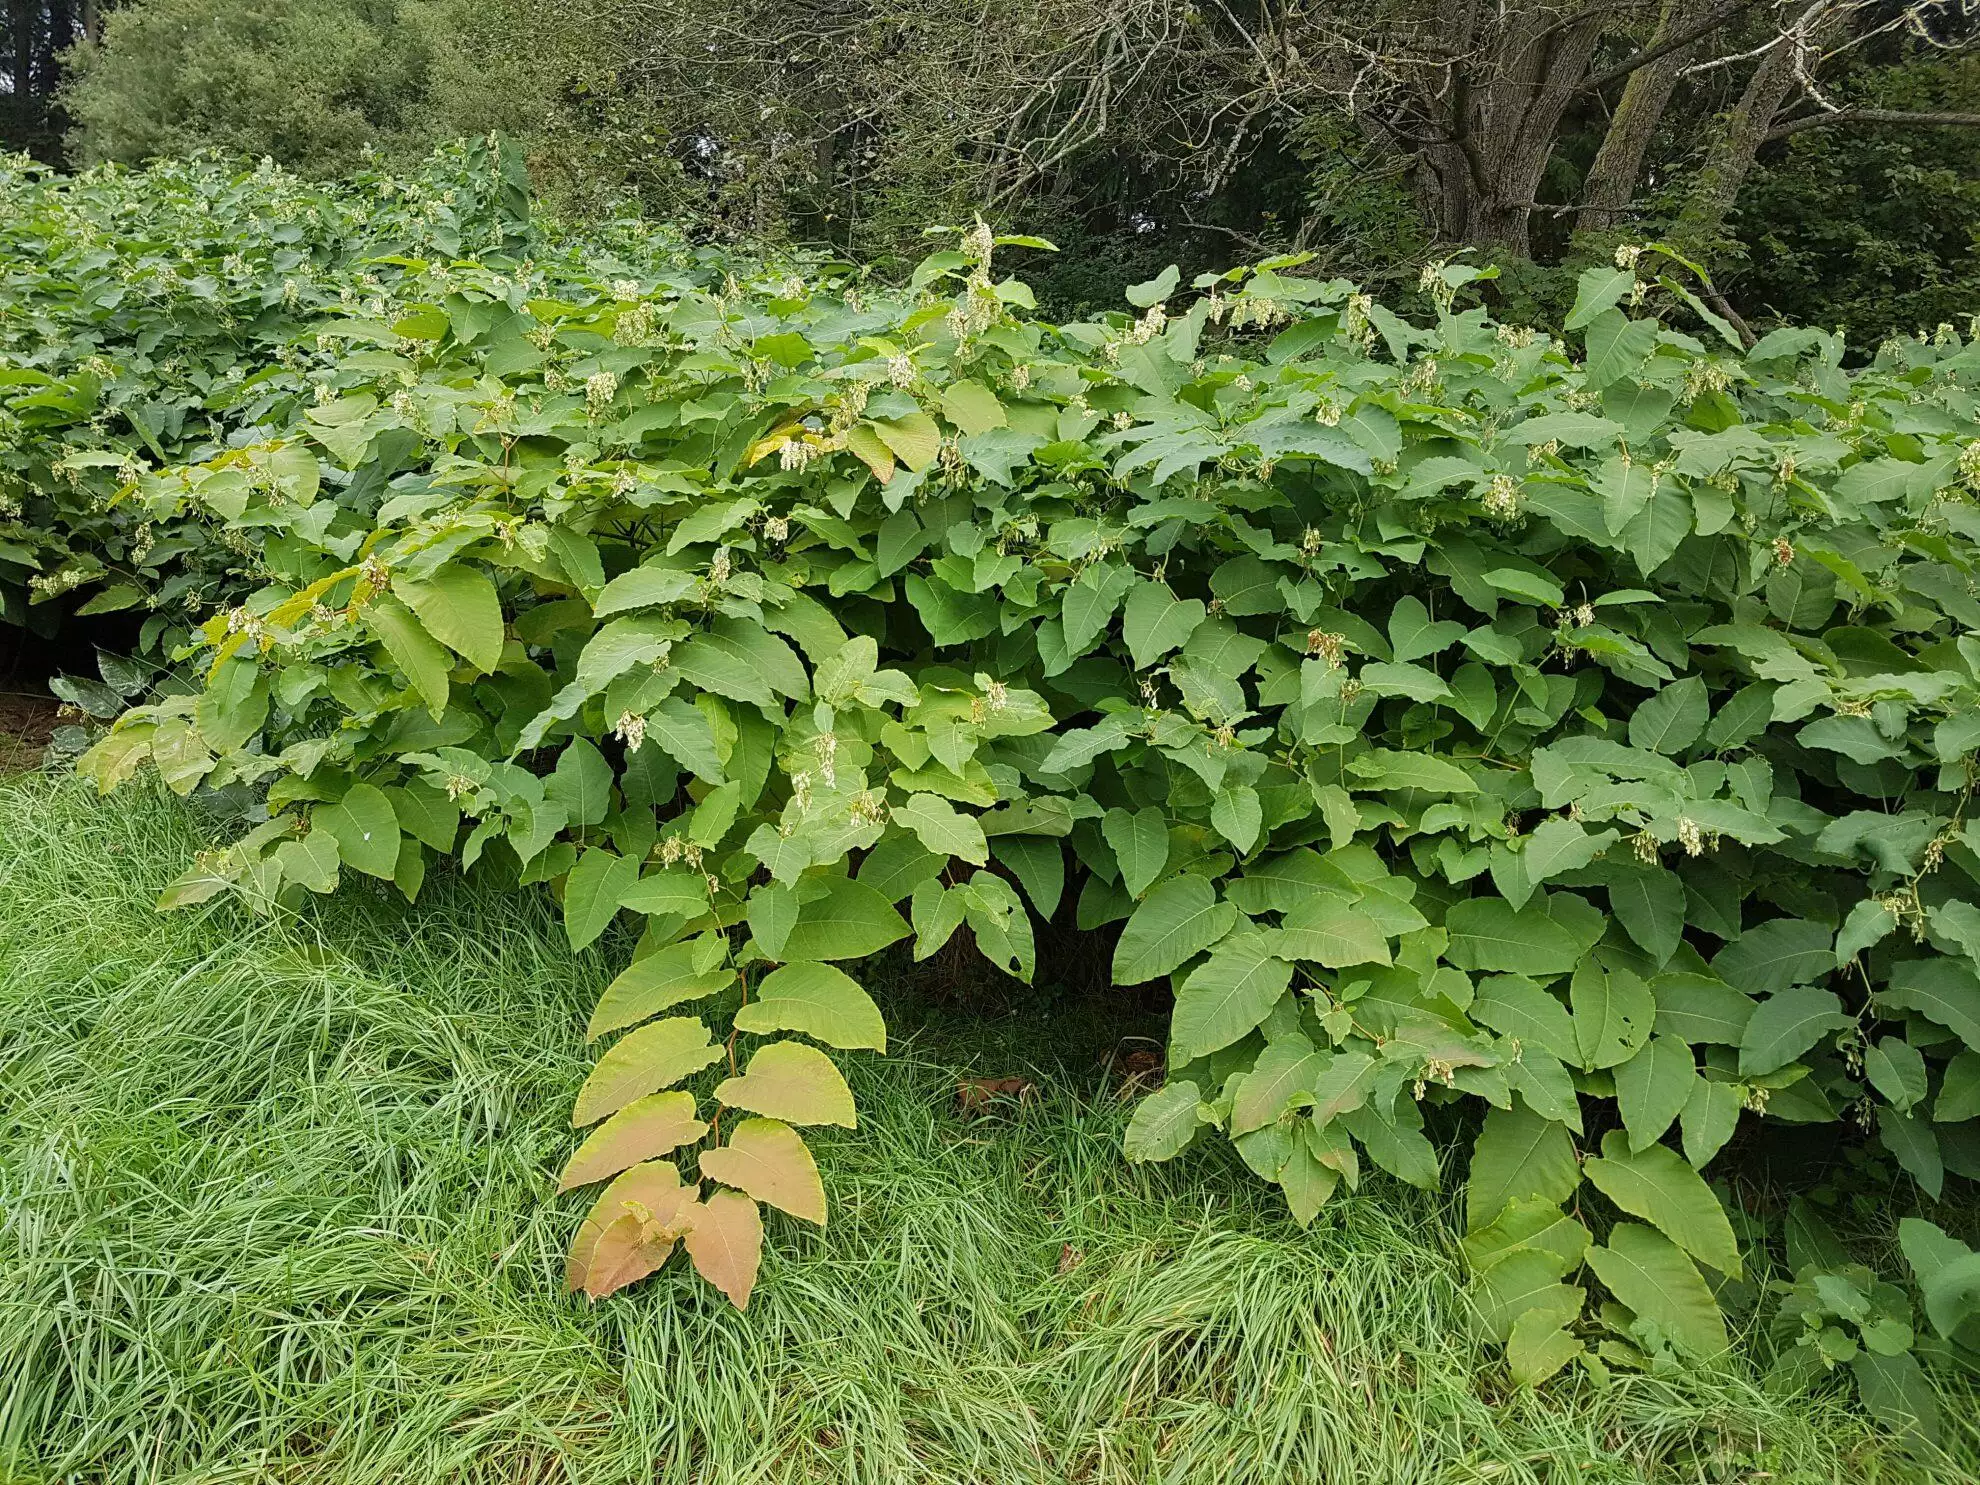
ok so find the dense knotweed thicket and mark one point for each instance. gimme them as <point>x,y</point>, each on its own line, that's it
<point>1455,716</point>
<point>158,316</point>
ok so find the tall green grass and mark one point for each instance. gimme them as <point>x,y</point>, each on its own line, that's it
<point>275,1209</point>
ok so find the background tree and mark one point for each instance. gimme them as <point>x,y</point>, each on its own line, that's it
<point>1381,136</point>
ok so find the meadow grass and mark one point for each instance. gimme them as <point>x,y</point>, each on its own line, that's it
<point>275,1208</point>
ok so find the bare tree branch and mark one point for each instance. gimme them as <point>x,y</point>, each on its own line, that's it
<point>1874,116</point>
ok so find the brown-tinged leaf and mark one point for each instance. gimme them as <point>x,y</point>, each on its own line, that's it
<point>653,1186</point>
<point>769,1159</point>
<point>725,1241</point>
<point>792,1082</point>
<point>979,1095</point>
<point>627,1251</point>
<point>642,1062</point>
<point>644,1128</point>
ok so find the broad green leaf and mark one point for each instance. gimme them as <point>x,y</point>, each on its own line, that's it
<point>943,829</point>
<point>1653,1087</point>
<point>1238,816</point>
<point>593,892</point>
<point>1140,842</point>
<point>1174,923</point>
<point>1775,955</point>
<point>1649,903</point>
<point>742,662</point>
<point>1487,934</point>
<point>1285,1071</point>
<point>1343,1086</point>
<point>1915,1145</point>
<point>648,986</point>
<point>1710,1116</point>
<point>1090,601</point>
<point>1039,865</point>
<point>1599,289</point>
<point>1228,994</point>
<point>459,607</point>
<point>419,657</point>
<point>1701,1008</point>
<point>366,830</point>
<point>1537,1346</point>
<point>1515,1006</point>
<point>1332,933</point>
<point>1613,1014</point>
<point>848,920</point>
<point>972,407</point>
<point>1896,1069</point>
<point>1155,622</point>
<point>1655,1279</point>
<point>1559,845</point>
<point>1671,720</point>
<point>819,1000</point>
<point>1959,1091</point>
<point>1787,1024</point>
<point>1655,1184</point>
<point>1164,1122</point>
<point>581,782</point>
<point>1943,990</point>
<point>1385,768</point>
<point>1524,1282</point>
<point>643,587</point>
<point>1518,1155</point>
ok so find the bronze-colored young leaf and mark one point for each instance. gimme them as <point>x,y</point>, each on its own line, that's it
<point>792,1082</point>
<point>654,1186</point>
<point>725,1240</point>
<point>769,1159</point>
<point>643,1129</point>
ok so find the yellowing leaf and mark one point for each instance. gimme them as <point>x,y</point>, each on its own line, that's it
<point>651,985</point>
<point>914,439</point>
<point>641,1062</point>
<point>769,1160</point>
<point>792,1082</point>
<point>819,1000</point>
<point>645,1128</point>
<point>873,452</point>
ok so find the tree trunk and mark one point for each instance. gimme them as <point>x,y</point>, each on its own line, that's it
<point>1619,163</point>
<point>1504,120</point>
<point>1730,155</point>
<point>23,14</point>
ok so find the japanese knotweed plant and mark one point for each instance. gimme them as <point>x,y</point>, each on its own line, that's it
<point>148,317</point>
<point>1582,731</point>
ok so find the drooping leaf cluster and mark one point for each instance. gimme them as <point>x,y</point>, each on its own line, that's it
<point>1578,730</point>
